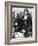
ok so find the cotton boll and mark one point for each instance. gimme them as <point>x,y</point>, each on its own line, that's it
<point>23,31</point>
<point>16,23</point>
<point>19,35</point>
<point>15,35</point>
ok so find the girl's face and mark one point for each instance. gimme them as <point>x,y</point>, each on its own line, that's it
<point>25,12</point>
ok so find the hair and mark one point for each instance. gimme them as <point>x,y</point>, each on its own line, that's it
<point>28,14</point>
<point>26,10</point>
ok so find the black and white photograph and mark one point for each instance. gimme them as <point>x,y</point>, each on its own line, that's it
<point>21,22</point>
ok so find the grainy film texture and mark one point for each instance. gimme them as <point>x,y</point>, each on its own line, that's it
<point>21,22</point>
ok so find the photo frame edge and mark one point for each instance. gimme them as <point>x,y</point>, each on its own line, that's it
<point>6,37</point>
